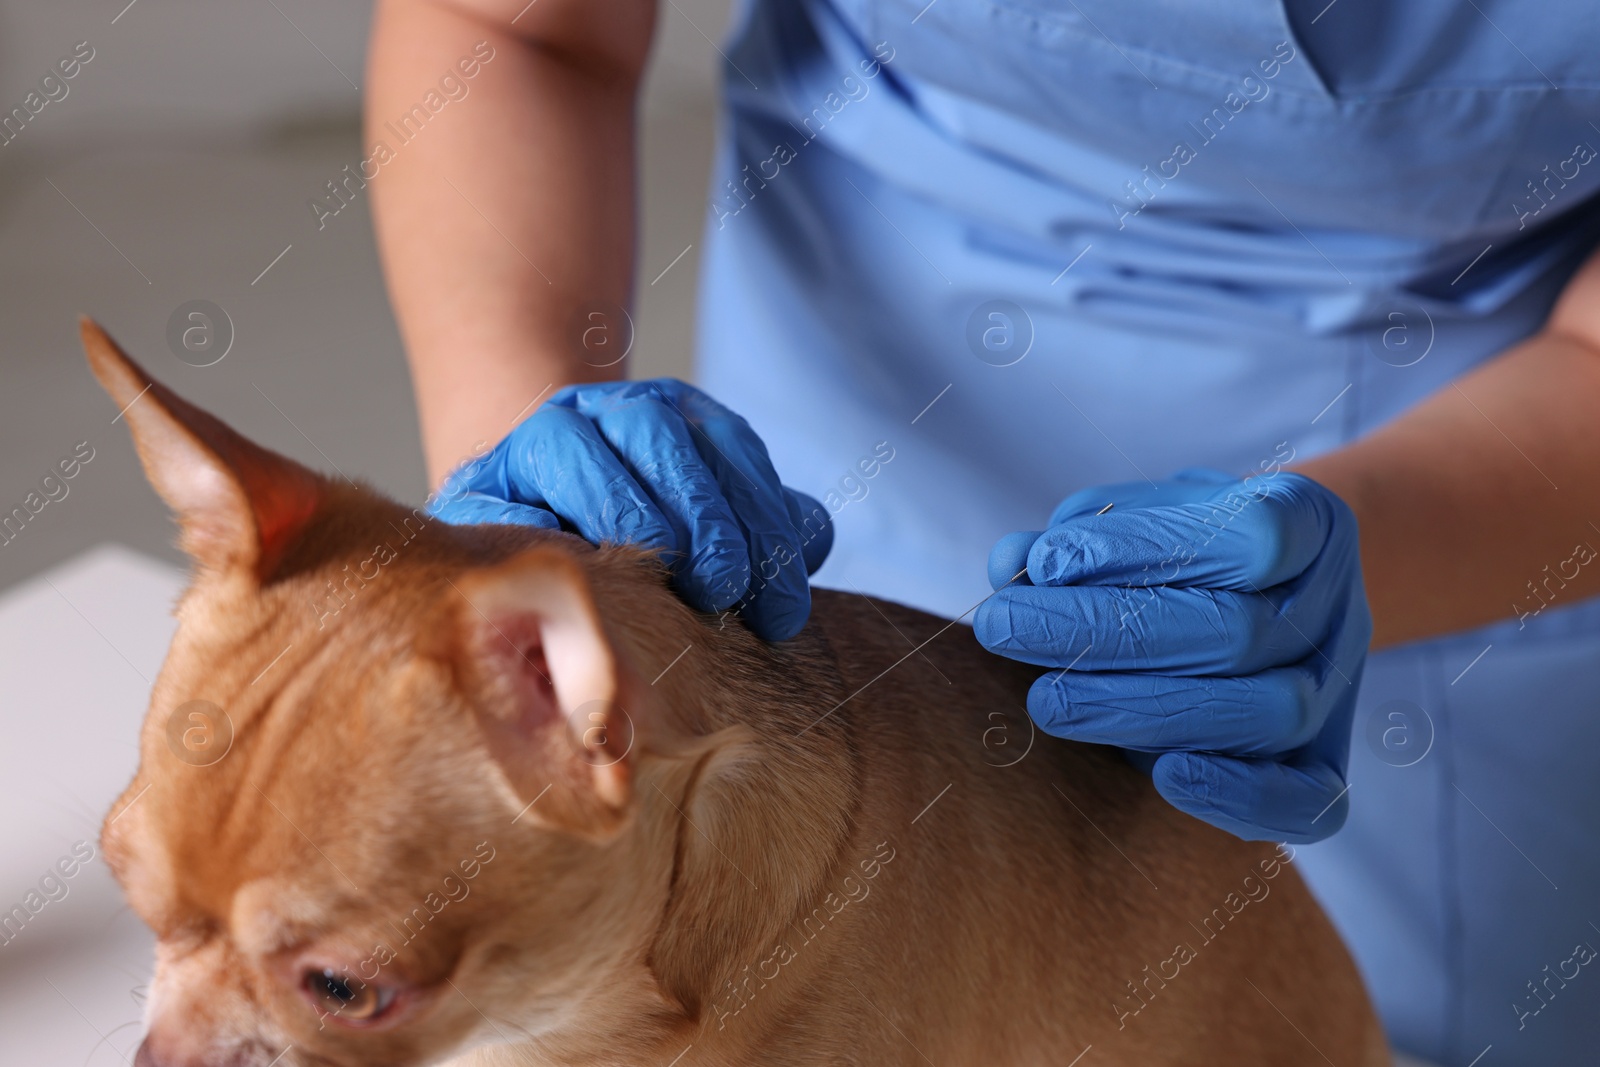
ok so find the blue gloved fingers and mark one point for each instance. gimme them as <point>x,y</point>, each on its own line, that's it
<point>773,578</point>
<point>1216,630</point>
<point>1300,800</point>
<point>780,596</point>
<point>1195,483</point>
<point>1265,714</point>
<point>558,456</point>
<point>781,593</point>
<point>470,508</point>
<point>1239,538</point>
<point>655,445</point>
<point>1010,553</point>
<point>1008,559</point>
<point>808,516</point>
<point>1163,629</point>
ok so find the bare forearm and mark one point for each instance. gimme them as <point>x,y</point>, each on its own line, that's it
<point>1481,504</point>
<point>513,209</point>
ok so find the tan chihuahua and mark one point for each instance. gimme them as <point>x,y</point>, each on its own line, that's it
<point>412,793</point>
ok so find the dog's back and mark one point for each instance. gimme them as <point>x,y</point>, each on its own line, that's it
<point>1044,899</point>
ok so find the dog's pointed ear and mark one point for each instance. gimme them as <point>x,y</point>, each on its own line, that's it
<point>545,684</point>
<point>238,505</point>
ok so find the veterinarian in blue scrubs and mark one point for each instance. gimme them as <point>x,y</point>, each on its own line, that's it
<point>1037,246</point>
<point>1251,272</point>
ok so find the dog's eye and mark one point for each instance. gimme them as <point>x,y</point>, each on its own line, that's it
<point>351,1000</point>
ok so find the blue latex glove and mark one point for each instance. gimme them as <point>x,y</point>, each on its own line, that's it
<point>1219,626</point>
<point>658,464</point>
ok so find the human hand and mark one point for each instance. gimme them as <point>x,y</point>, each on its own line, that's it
<point>1220,626</point>
<point>662,465</point>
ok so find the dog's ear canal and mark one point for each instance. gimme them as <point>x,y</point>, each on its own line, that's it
<point>238,504</point>
<point>545,685</point>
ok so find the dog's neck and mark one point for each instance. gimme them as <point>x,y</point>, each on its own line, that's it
<point>713,805</point>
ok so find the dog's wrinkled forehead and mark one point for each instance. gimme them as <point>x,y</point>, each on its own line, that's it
<point>265,756</point>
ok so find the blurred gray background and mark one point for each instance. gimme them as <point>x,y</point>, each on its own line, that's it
<point>178,168</point>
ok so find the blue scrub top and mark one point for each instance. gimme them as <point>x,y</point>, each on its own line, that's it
<point>968,256</point>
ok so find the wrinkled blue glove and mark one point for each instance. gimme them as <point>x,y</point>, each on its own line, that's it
<point>659,464</point>
<point>1219,627</point>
